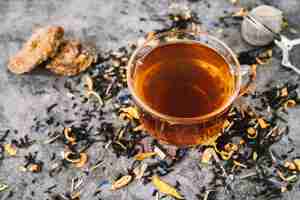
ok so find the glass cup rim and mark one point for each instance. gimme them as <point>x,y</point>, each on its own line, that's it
<point>185,120</point>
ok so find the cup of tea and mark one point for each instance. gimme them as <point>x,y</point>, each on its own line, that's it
<point>184,84</point>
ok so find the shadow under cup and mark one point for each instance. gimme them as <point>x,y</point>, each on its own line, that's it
<point>184,85</point>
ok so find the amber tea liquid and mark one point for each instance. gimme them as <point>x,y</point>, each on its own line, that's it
<point>182,80</point>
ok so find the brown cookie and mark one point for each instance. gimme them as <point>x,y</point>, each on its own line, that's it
<point>43,44</point>
<point>72,58</point>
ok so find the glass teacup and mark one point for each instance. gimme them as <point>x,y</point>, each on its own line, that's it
<point>167,99</point>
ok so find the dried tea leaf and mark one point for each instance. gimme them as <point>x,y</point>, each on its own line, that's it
<point>207,155</point>
<point>3,187</point>
<point>123,181</point>
<point>143,156</point>
<point>82,161</point>
<point>43,44</point>
<point>165,188</point>
<point>262,123</point>
<point>72,58</point>
<point>10,149</point>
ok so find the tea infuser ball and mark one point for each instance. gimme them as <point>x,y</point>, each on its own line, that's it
<point>259,36</point>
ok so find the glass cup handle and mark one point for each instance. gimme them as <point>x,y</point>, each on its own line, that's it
<point>249,70</point>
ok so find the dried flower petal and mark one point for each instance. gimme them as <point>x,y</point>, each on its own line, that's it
<point>71,157</point>
<point>207,154</point>
<point>297,163</point>
<point>165,188</point>
<point>131,112</point>
<point>290,103</point>
<point>252,133</point>
<point>143,156</point>
<point>10,149</point>
<point>284,92</point>
<point>290,165</point>
<point>82,161</point>
<point>241,13</point>
<point>262,123</point>
<point>35,168</point>
<point>69,136</point>
<point>123,181</point>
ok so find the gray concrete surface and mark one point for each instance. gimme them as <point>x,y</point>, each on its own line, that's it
<point>109,24</point>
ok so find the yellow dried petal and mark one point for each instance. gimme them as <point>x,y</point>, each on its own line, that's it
<point>252,133</point>
<point>290,103</point>
<point>165,188</point>
<point>284,92</point>
<point>262,123</point>
<point>297,163</point>
<point>207,154</point>
<point>254,155</point>
<point>123,181</point>
<point>143,156</point>
<point>226,124</point>
<point>67,155</point>
<point>290,165</point>
<point>82,161</point>
<point>132,112</point>
<point>68,135</point>
<point>11,150</point>
<point>241,13</point>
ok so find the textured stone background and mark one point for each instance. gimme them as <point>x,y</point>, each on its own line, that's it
<point>109,24</point>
